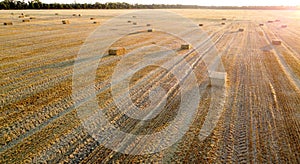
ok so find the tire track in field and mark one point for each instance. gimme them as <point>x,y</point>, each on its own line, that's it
<point>284,41</point>
<point>46,123</point>
<point>29,133</point>
<point>230,115</point>
<point>111,155</point>
<point>276,142</point>
<point>284,65</point>
<point>137,129</point>
<point>32,132</point>
<point>231,36</point>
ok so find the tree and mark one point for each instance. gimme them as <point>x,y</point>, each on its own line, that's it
<point>4,5</point>
<point>20,5</point>
<point>8,4</point>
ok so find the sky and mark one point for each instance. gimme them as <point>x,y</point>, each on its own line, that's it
<point>193,2</point>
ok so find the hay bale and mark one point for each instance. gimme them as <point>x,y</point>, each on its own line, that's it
<point>7,23</point>
<point>148,25</point>
<point>276,42</point>
<point>186,46</point>
<point>267,48</point>
<point>241,29</point>
<point>223,18</point>
<point>134,23</point>
<point>277,20</point>
<point>223,23</point>
<point>25,20</point>
<point>12,13</point>
<point>92,18</point>
<point>79,15</point>
<point>200,24</point>
<point>32,18</point>
<point>56,14</point>
<point>65,22</point>
<point>117,51</point>
<point>133,16</point>
<point>261,24</point>
<point>270,21</point>
<point>74,14</point>
<point>283,26</point>
<point>129,21</point>
<point>22,13</point>
<point>95,22</point>
<point>21,16</point>
<point>151,30</point>
<point>27,15</point>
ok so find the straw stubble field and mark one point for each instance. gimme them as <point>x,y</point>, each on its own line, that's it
<point>261,117</point>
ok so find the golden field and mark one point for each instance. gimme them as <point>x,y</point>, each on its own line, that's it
<point>260,122</point>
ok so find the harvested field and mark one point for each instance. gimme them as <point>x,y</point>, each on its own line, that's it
<point>259,122</point>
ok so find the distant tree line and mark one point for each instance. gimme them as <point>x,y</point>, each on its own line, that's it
<point>36,4</point>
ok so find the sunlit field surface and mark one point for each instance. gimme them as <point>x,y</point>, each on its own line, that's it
<point>260,121</point>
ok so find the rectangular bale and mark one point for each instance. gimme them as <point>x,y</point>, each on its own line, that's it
<point>148,25</point>
<point>134,23</point>
<point>270,21</point>
<point>223,23</point>
<point>223,18</point>
<point>21,16</point>
<point>92,18</point>
<point>25,20</point>
<point>95,22</point>
<point>151,30</point>
<point>65,22</point>
<point>200,24</point>
<point>117,51</point>
<point>276,42</point>
<point>261,24</point>
<point>186,46</point>
<point>241,29</point>
<point>7,23</point>
<point>217,78</point>
<point>284,26</point>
